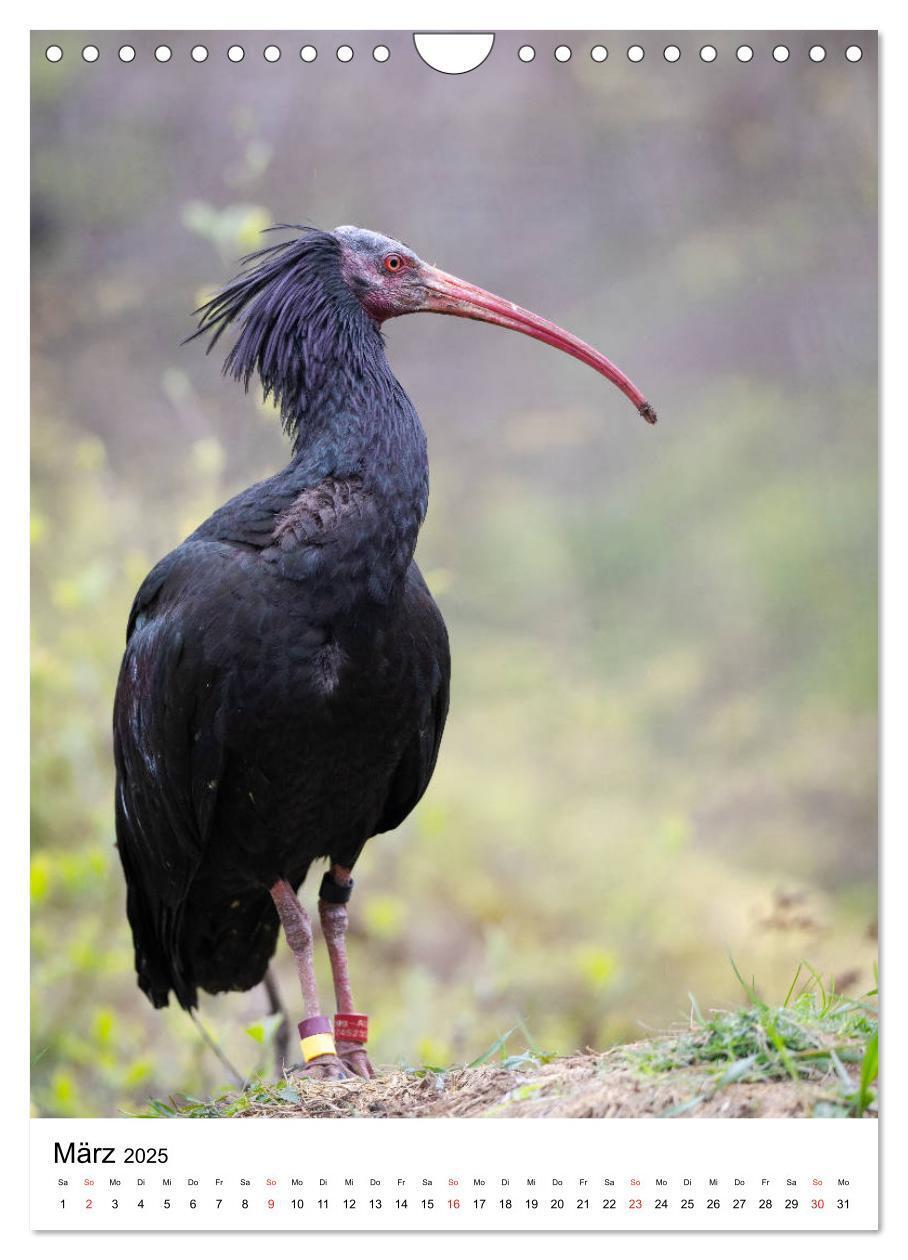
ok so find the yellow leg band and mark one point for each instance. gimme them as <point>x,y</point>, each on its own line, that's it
<point>316,1045</point>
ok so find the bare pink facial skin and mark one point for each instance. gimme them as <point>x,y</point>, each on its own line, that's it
<point>390,280</point>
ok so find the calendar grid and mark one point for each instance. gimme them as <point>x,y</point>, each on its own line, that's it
<point>454,1175</point>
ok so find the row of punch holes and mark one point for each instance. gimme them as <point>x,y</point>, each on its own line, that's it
<point>199,53</point>
<point>525,53</point>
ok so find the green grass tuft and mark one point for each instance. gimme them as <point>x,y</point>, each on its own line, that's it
<point>816,1035</point>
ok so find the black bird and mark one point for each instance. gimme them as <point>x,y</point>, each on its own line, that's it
<point>284,688</point>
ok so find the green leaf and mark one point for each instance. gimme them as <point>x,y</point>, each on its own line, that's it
<point>493,1049</point>
<point>264,1030</point>
<point>869,1072</point>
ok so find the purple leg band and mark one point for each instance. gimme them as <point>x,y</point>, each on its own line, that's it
<point>315,1024</point>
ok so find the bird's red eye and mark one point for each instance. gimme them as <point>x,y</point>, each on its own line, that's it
<point>393,262</point>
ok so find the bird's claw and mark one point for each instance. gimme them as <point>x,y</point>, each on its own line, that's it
<point>353,1056</point>
<point>327,1067</point>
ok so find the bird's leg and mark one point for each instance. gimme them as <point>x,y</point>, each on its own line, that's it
<point>332,910</point>
<point>282,1035</point>
<point>322,1062</point>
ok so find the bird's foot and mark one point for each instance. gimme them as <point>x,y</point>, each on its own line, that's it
<point>354,1056</point>
<point>327,1067</point>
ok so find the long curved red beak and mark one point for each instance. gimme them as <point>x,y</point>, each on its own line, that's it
<point>447,295</point>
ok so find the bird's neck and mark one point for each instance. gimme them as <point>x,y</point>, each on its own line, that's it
<point>360,425</point>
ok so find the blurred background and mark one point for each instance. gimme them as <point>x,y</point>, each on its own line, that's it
<point>662,743</point>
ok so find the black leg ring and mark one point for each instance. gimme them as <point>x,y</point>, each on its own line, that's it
<point>330,890</point>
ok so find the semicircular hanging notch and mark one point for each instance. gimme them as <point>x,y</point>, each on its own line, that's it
<point>453,52</point>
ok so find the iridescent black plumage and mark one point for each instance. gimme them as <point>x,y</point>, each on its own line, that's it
<point>285,682</point>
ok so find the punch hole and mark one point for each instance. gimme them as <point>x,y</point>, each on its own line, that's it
<point>562,53</point>
<point>54,53</point>
<point>126,53</point>
<point>599,52</point>
<point>526,52</point>
<point>708,53</point>
<point>672,53</point>
<point>199,53</point>
<point>381,53</point>
<point>817,53</point>
<point>236,52</point>
<point>780,53</point>
<point>853,53</point>
<point>453,52</point>
<point>162,53</point>
<point>308,53</point>
<point>744,53</point>
<point>345,53</point>
<point>635,53</point>
<point>90,53</point>
<point>272,53</point>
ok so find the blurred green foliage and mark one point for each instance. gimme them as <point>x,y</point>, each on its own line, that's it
<point>662,743</point>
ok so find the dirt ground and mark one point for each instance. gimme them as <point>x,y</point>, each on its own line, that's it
<point>581,1085</point>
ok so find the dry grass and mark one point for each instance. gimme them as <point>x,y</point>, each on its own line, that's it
<point>582,1085</point>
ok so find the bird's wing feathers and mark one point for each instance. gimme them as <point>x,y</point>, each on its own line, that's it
<point>322,530</point>
<point>418,762</point>
<point>173,704</point>
<point>319,510</point>
<point>168,750</point>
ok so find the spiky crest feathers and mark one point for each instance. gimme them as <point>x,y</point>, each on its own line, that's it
<point>300,327</point>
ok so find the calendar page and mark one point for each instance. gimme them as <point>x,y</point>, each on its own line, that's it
<point>454,740</point>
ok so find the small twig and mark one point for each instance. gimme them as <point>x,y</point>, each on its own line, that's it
<point>212,1045</point>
